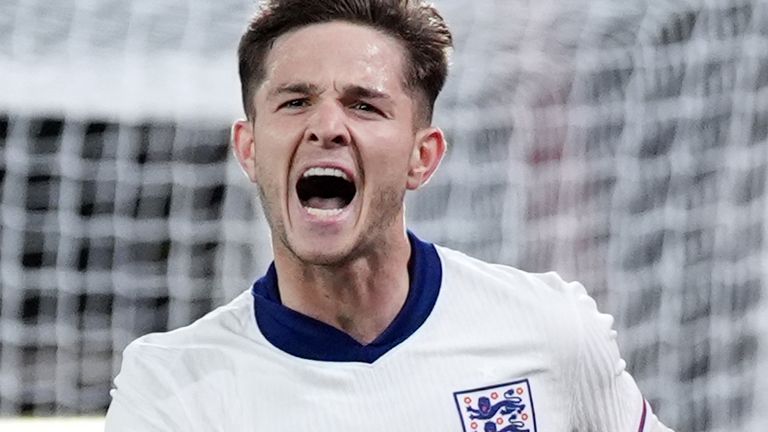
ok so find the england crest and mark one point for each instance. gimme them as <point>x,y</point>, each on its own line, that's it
<point>498,408</point>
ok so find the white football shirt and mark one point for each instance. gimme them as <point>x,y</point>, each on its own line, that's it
<point>476,347</point>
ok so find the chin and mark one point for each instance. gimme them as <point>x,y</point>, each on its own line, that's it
<point>325,256</point>
<point>323,250</point>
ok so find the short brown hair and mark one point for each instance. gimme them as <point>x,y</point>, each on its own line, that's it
<point>416,24</point>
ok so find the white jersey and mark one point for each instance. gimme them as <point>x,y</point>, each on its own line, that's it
<point>476,347</point>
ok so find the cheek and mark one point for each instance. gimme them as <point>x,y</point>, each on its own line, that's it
<point>273,151</point>
<point>270,140</point>
<point>391,155</point>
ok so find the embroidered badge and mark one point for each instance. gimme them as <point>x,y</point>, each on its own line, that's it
<point>499,408</point>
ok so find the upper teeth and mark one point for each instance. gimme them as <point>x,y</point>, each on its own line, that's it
<point>320,171</point>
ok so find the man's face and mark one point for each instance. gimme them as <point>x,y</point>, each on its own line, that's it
<point>333,145</point>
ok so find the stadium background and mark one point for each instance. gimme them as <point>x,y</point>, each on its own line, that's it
<point>624,144</point>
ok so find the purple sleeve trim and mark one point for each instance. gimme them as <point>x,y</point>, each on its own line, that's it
<point>642,417</point>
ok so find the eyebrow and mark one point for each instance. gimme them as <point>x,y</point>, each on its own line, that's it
<point>355,91</point>
<point>293,88</point>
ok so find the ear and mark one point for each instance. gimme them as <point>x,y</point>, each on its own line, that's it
<point>243,147</point>
<point>428,151</point>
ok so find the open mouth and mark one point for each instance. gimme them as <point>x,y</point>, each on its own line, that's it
<point>325,191</point>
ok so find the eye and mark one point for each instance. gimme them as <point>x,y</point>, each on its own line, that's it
<point>295,103</point>
<point>364,106</point>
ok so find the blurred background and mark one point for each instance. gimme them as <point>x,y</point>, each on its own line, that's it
<point>621,143</point>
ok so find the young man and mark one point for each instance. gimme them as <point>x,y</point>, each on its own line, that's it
<point>358,324</point>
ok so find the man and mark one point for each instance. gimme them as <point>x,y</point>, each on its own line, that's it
<point>358,324</point>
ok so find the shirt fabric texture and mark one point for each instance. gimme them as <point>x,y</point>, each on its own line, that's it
<point>476,347</point>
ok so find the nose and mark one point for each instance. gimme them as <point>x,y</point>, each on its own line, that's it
<point>327,125</point>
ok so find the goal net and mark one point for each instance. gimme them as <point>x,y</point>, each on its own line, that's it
<point>624,144</point>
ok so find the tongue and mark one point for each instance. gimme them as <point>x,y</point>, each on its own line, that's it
<point>325,203</point>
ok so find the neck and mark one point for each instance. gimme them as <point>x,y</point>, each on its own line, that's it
<point>360,297</point>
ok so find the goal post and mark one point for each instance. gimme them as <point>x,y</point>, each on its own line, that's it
<point>52,424</point>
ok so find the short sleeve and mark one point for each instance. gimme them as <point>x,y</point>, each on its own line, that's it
<point>145,397</point>
<point>607,398</point>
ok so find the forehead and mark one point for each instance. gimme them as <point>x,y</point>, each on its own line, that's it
<point>336,54</point>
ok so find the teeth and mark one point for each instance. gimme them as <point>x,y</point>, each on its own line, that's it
<point>322,212</point>
<point>319,171</point>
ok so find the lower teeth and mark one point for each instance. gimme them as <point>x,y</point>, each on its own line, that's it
<point>323,212</point>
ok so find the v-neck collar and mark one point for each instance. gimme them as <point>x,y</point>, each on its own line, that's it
<point>302,336</point>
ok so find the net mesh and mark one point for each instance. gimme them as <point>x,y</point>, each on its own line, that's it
<point>625,145</point>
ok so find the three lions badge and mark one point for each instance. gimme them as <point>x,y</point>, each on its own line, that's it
<point>499,408</point>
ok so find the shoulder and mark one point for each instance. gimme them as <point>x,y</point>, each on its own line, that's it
<point>215,327</point>
<point>556,318</point>
<point>164,361</point>
<point>560,311</point>
<point>204,341</point>
<point>477,277</point>
<point>148,393</point>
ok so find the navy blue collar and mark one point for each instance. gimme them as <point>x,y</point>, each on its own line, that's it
<point>306,337</point>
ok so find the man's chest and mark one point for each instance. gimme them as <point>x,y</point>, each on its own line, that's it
<point>468,392</point>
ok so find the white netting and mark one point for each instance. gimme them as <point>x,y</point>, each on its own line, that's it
<point>624,144</point>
